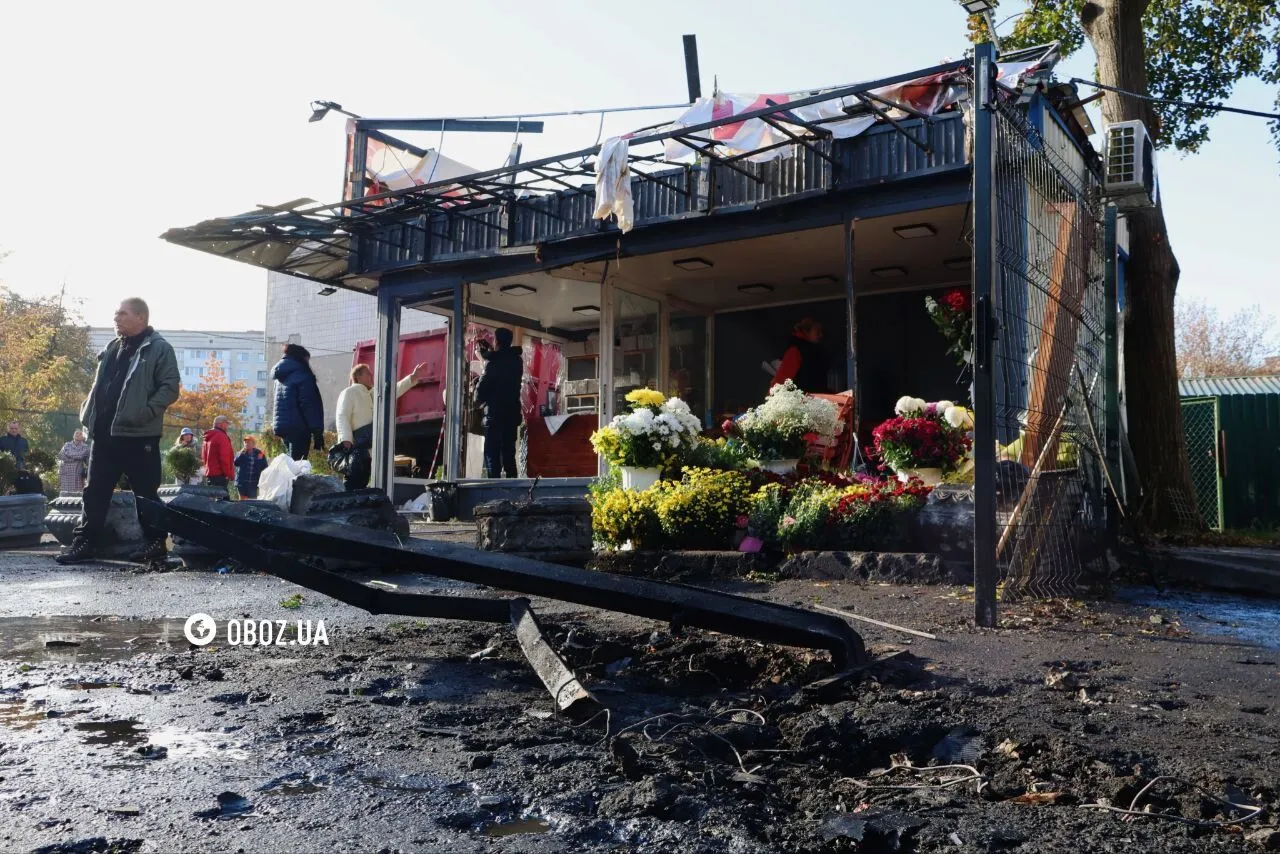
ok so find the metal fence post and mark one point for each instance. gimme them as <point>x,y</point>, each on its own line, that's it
<point>986,574</point>
<point>387,361</point>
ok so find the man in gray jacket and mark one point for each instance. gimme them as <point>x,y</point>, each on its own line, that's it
<point>137,380</point>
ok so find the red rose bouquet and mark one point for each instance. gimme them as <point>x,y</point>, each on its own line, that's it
<point>953,315</point>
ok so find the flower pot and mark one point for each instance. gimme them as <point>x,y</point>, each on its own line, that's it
<point>639,479</point>
<point>779,466</point>
<point>930,477</point>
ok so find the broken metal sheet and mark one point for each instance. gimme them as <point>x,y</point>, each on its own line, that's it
<point>569,694</point>
<point>277,534</point>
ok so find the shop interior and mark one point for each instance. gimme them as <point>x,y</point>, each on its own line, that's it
<point>710,325</point>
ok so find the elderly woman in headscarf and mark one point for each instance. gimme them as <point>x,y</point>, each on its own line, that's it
<point>75,464</point>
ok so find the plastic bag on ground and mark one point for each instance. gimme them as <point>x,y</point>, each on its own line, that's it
<point>276,483</point>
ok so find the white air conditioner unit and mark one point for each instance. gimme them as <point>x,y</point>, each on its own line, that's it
<point>1129,163</point>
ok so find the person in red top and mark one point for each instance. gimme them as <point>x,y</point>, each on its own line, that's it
<point>216,454</point>
<point>804,362</point>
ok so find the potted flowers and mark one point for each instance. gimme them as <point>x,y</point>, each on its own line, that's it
<point>642,441</point>
<point>925,440</point>
<point>778,431</point>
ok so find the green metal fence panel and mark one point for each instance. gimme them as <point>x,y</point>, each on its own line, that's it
<point>1200,425</point>
<point>1250,451</point>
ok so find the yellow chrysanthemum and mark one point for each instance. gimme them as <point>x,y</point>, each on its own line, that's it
<point>646,397</point>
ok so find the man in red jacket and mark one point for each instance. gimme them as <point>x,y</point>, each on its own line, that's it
<point>216,454</point>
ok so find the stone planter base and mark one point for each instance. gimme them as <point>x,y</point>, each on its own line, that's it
<point>557,530</point>
<point>21,520</point>
<point>878,567</point>
<point>684,564</point>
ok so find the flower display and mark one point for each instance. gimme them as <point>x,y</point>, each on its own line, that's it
<point>782,427</point>
<point>953,315</point>
<point>924,435</point>
<point>656,429</point>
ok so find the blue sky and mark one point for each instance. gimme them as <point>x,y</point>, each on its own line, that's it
<point>118,125</point>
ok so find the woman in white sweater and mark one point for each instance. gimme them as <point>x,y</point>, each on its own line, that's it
<point>355,419</point>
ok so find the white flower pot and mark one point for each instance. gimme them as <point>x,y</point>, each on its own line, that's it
<point>930,477</point>
<point>639,479</point>
<point>779,466</point>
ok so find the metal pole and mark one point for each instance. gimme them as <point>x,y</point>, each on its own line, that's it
<point>386,362</point>
<point>851,307</point>
<point>986,573</point>
<point>1111,369</point>
<point>691,67</point>
<point>457,377</point>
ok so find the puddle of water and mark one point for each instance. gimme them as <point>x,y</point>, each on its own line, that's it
<point>519,827</point>
<point>125,733</point>
<point>1254,620</point>
<point>86,638</point>
<point>14,715</point>
<point>193,744</point>
<point>89,686</point>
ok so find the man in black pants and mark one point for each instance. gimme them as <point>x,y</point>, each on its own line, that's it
<point>137,380</point>
<point>499,391</point>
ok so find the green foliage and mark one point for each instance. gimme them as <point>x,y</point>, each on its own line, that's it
<point>46,366</point>
<point>622,516</point>
<point>718,454</point>
<point>182,463</point>
<point>1195,51</point>
<point>292,603</point>
<point>8,468</point>
<point>42,463</point>
<point>804,523</point>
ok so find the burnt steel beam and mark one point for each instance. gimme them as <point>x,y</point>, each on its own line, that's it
<point>455,125</point>
<point>675,604</point>
<point>875,108</point>
<point>569,695</point>
<point>290,568</point>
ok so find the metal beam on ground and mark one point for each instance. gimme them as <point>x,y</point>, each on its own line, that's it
<point>674,604</point>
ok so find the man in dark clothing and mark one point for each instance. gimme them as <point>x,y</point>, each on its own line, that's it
<point>216,454</point>
<point>298,418</point>
<point>15,443</point>
<point>804,362</point>
<point>136,381</point>
<point>250,464</point>
<point>499,393</point>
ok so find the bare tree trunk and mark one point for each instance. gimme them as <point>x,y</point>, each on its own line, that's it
<point>1114,30</point>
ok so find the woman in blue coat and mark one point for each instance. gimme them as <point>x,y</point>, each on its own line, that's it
<point>299,412</point>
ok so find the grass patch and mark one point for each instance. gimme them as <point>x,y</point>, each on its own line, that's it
<point>293,602</point>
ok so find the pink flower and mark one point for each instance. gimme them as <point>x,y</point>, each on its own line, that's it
<point>788,521</point>
<point>751,545</point>
<point>741,522</point>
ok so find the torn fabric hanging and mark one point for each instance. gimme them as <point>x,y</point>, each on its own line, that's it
<point>613,184</point>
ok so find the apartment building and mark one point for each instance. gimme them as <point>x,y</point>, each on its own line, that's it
<point>241,355</point>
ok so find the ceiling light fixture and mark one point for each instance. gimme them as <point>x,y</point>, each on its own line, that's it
<point>958,263</point>
<point>757,288</point>
<point>518,290</point>
<point>911,232</point>
<point>587,310</point>
<point>889,272</point>
<point>820,280</point>
<point>693,264</point>
<point>327,290</point>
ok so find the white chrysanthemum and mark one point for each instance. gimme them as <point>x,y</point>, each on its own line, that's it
<point>954,416</point>
<point>943,405</point>
<point>907,405</point>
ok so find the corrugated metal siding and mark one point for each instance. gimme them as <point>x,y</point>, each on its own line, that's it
<point>1222,386</point>
<point>1251,460</point>
<point>878,156</point>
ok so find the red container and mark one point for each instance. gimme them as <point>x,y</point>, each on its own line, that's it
<point>425,401</point>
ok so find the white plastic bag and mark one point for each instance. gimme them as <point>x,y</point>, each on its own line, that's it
<point>276,483</point>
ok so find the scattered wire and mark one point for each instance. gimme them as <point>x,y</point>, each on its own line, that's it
<point>1254,810</point>
<point>902,764</point>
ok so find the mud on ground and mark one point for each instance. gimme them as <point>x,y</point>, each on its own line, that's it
<point>427,736</point>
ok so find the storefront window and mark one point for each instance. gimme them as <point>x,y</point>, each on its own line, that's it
<point>635,346</point>
<point>687,362</point>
